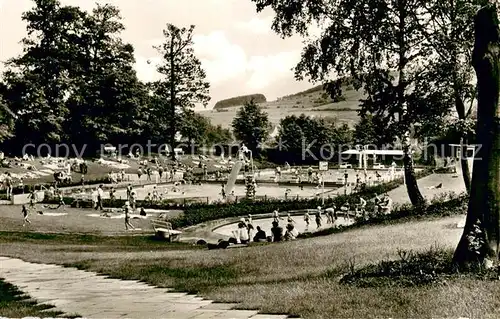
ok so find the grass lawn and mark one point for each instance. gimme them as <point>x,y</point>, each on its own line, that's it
<point>76,221</point>
<point>300,277</point>
<point>14,304</point>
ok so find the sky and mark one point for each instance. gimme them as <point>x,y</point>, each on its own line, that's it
<point>235,44</point>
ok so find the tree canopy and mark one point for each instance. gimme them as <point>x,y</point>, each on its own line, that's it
<point>251,125</point>
<point>75,83</point>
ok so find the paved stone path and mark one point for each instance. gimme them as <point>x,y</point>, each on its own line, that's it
<point>89,295</point>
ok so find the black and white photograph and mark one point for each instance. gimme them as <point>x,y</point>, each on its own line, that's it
<point>249,159</point>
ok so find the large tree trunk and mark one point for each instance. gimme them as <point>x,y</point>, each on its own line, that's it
<point>479,244</point>
<point>173,124</point>
<point>414,194</point>
<point>464,163</point>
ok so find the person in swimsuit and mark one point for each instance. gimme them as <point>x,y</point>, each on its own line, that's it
<point>25,216</point>
<point>127,216</point>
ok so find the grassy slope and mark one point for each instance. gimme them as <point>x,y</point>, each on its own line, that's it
<point>300,277</point>
<point>302,102</point>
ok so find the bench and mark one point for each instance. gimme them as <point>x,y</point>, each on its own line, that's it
<point>163,230</point>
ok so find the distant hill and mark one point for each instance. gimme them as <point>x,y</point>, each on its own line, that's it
<point>346,84</point>
<point>239,100</point>
<point>315,89</point>
<point>312,102</point>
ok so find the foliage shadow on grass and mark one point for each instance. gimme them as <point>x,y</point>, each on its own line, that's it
<point>15,304</point>
<point>414,269</point>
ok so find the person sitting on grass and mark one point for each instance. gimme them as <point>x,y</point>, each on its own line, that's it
<point>387,204</point>
<point>248,223</point>
<point>378,204</point>
<point>277,232</point>
<point>290,220</point>
<point>221,244</point>
<point>291,232</point>
<point>360,208</point>
<point>260,236</point>
<point>440,185</point>
<point>243,233</point>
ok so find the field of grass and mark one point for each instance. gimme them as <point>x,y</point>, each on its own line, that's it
<point>75,221</point>
<point>300,277</point>
<point>311,103</point>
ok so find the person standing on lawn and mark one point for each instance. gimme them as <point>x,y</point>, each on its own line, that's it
<point>32,198</point>
<point>126,208</point>
<point>100,195</point>
<point>129,191</point>
<point>25,216</point>
<point>8,184</point>
<point>319,218</point>
<point>61,200</point>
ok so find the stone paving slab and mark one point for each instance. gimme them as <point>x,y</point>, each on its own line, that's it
<point>95,296</point>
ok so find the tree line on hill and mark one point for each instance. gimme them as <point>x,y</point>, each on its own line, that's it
<point>240,100</point>
<point>75,83</point>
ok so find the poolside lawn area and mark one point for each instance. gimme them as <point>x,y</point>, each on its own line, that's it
<point>300,277</point>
